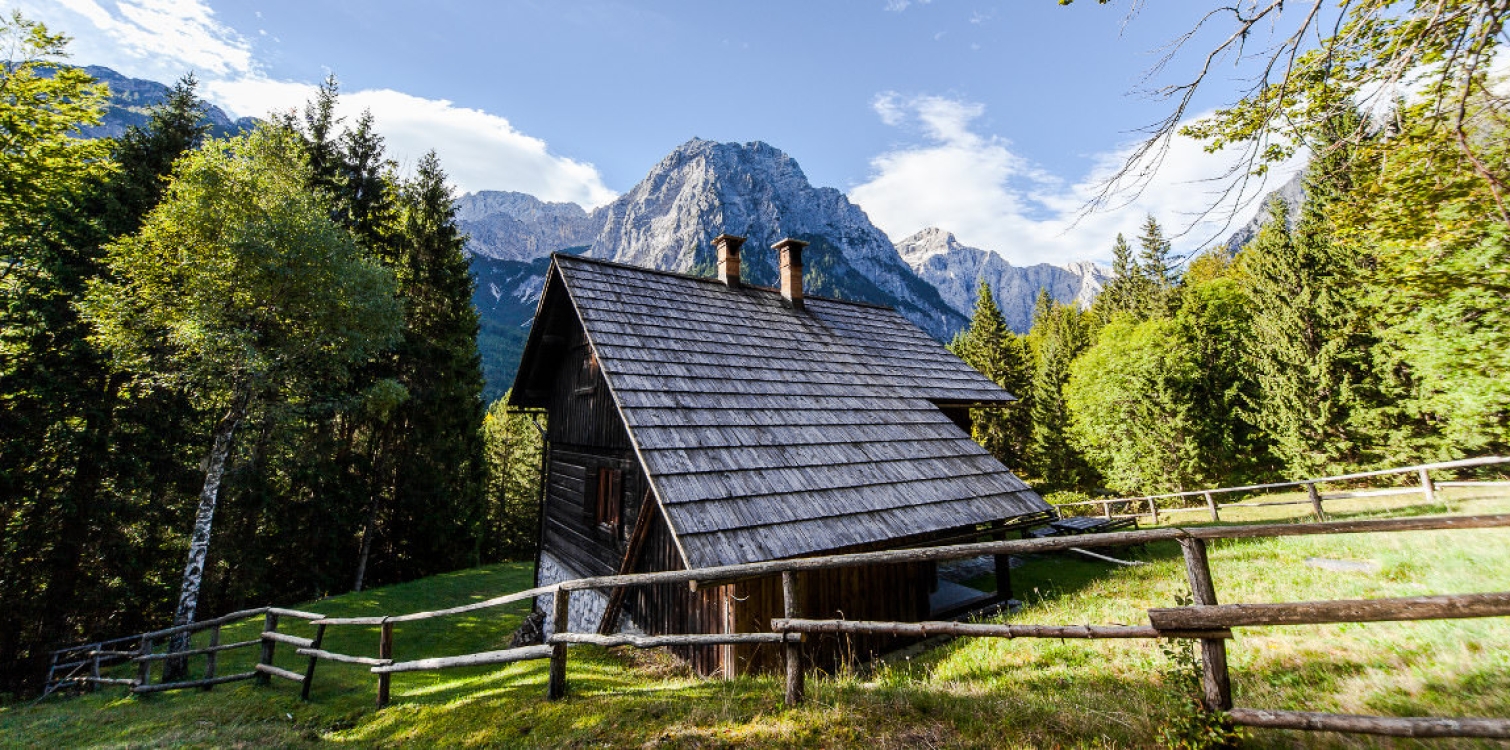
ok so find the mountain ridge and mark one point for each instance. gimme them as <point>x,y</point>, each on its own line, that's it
<point>132,98</point>
<point>956,270</point>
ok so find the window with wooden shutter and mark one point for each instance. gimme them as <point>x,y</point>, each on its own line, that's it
<point>610,498</point>
<point>587,376</point>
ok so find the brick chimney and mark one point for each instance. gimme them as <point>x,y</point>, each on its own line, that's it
<point>791,270</point>
<point>728,258</point>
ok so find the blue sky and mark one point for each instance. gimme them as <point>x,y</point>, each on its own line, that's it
<point>991,120</point>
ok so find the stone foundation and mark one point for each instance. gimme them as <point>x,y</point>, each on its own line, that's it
<point>587,606</point>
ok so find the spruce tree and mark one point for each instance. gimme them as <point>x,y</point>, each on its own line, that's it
<point>1156,294</point>
<point>1058,336</point>
<point>364,200</point>
<point>439,505</point>
<point>1310,347</point>
<point>146,154</point>
<point>989,346</point>
<point>1120,295</point>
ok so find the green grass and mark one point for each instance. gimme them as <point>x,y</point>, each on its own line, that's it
<point>969,693</point>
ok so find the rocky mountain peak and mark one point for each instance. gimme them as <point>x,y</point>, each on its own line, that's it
<point>957,270</point>
<point>519,227</point>
<point>704,189</point>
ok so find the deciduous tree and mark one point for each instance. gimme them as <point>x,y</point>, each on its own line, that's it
<point>240,290</point>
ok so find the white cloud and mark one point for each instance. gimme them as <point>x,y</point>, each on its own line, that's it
<point>977,187</point>
<point>163,39</point>
<point>149,37</point>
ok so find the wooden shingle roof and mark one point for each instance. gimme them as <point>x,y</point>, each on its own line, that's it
<point>768,432</point>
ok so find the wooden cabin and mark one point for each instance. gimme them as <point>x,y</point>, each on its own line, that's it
<point>694,422</point>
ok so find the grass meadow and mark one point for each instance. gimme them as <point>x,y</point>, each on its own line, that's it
<point>965,693</point>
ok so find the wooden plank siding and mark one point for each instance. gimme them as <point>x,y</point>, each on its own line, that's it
<point>874,592</point>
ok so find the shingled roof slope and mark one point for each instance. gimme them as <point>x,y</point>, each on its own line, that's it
<point>769,432</point>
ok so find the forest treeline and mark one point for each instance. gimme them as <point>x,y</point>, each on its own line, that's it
<point>1371,330</point>
<point>232,371</point>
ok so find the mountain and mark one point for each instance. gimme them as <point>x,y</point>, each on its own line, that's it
<point>956,270</point>
<point>131,98</point>
<point>668,222</point>
<point>522,228</point>
<point>1293,193</point>
<point>703,188</point>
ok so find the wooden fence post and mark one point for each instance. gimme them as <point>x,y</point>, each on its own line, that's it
<point>309,671</point>
<point>1427,488</point>
<point>1215,681</point>
<point>94,666</point>
<point>385,651</point>
<point>1211,504</point>
<point>561,623</point>
<point>1153,507</point>
<point>792,608</point>
<point>270,625</point>
<point>144,669</point>
<point>1106,509</point>
<point>211,658</point>
<point>1315,500</point>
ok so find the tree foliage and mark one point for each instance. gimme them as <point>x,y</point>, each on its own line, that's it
<point>514,447</point>
<point>240,291</point>
<point>1059,335</point>
<point>1001,355</point>
<point>1132,416</point>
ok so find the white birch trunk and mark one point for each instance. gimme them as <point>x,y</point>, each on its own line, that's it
<point>199,543</point>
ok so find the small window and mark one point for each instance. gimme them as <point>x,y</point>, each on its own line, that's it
<point>610,498</point>
<point>587,377</point>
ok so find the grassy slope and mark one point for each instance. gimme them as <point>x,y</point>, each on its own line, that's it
<point>981,693</point>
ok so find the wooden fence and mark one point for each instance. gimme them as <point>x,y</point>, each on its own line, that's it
<point>1426,488</point>
<point>1204,620</point>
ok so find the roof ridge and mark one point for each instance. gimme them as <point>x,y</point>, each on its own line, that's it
<point>555,256</point>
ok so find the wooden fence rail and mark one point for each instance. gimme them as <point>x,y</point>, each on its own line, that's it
<point>1426,488</point>
<point>1205,621</point>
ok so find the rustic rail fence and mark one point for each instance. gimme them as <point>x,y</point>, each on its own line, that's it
<point>1205,621</point>
<point>1426,487</point>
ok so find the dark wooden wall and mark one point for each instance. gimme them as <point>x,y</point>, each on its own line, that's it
<point>675,608</point>
<point>876,592</point>
<point>586,435</point>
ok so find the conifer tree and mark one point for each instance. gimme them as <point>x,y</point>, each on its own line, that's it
<point>318,130</point>
<point>364,200</point>
<point>146,154</point>
<point>1156,292</point>
<point>989,346</point>
<point>1121,293</point>
<point>1058,336</point>
<point>439,476</point>
<point>1310,347</point>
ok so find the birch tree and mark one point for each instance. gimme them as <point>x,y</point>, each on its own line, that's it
<point>241,292</point>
